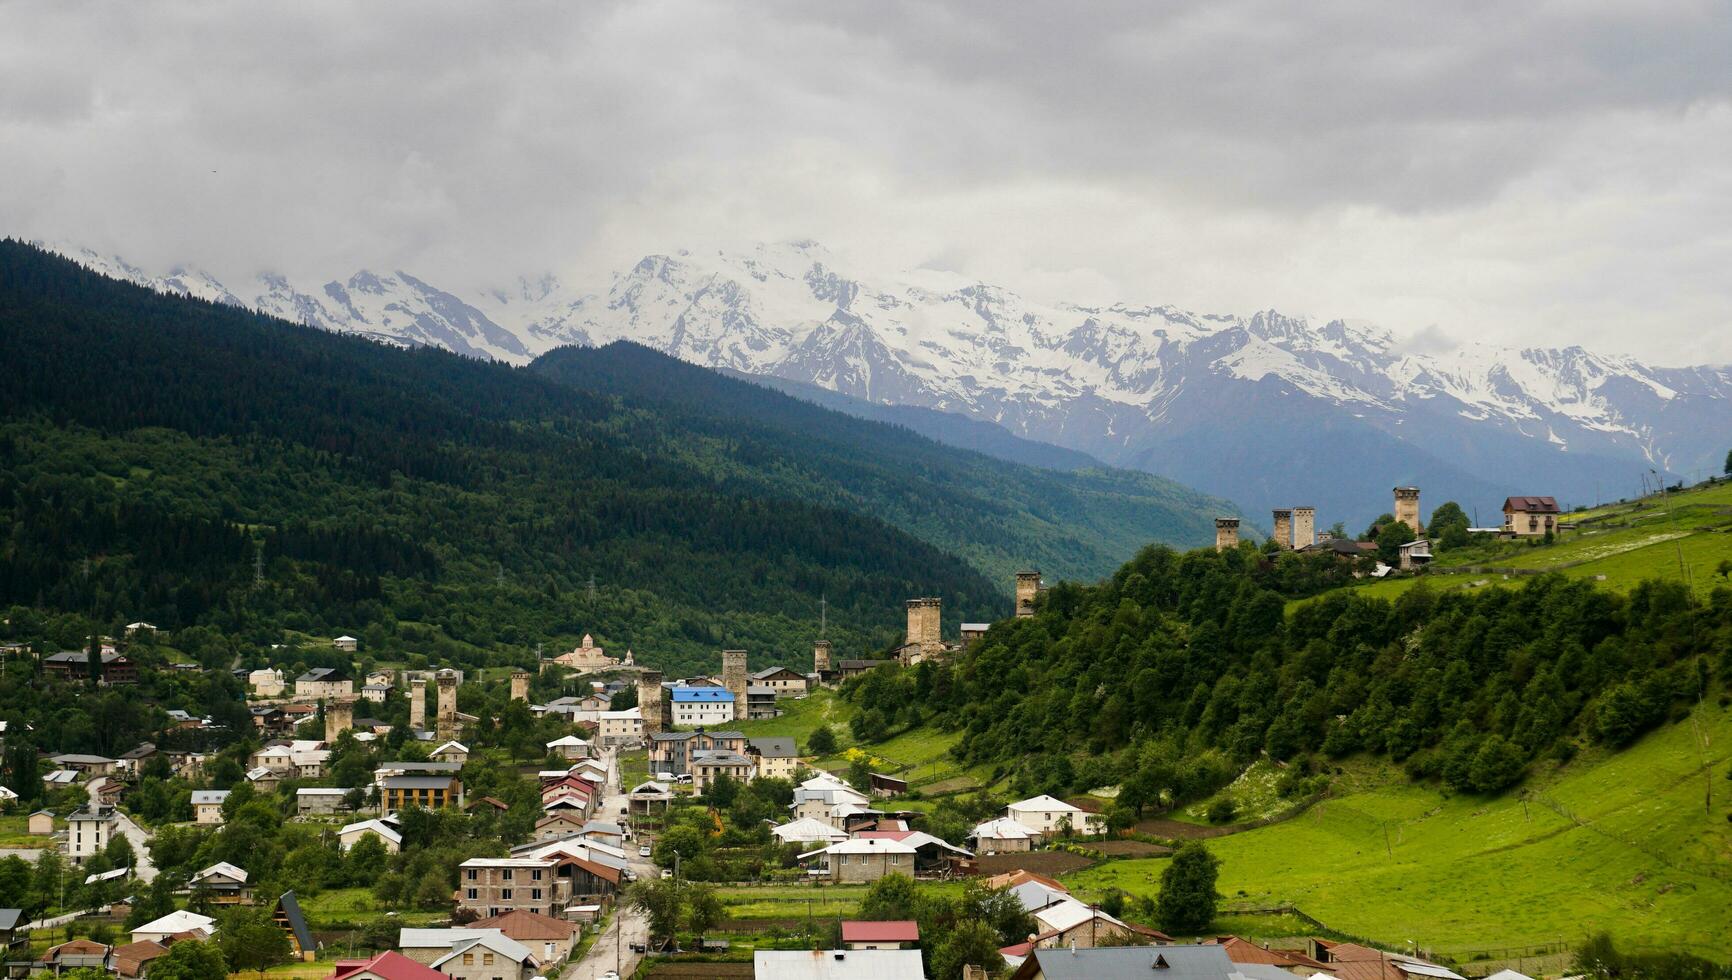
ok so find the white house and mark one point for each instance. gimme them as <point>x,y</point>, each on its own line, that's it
<point>350,835</point>
<point>207,805</point>
<point>1049,817</point>
<point>267,682</point>
<point>346,643</point>
<point>174,922</point>
<point>88,831</point>
<point>452,751</point>
<point>569,747</point>
<point>620,727</point>
<point>808,830</point>
<point>703,706</point>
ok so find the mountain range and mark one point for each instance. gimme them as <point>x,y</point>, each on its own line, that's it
<point>1267,409</point>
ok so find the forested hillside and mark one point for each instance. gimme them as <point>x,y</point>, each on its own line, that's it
<point>1077,524</point>
<point>153,447</point>
<point>1182,668</point>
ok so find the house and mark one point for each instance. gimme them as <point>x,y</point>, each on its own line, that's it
<point>881,785</point>
<point>207,805</point>
<point>491,956</point>
<point>1050,817</point>
<point>430,792</point>
<point>1414,555</point>
<point>60,778</point>
<point>264,779</point>
<point>558,824</point>
<point>701,706</point>
<point>1246,953</point>
<point>846,669</point>
<point>855,860</point>
<point>89,765</point>
<point>77,954</point>
<point>323,682</point>
<point>172,924</point>
<point>1002,836</point>
<point>351,835</point>
<point>1530,517</point>
<point>486,803</point>
<point>973,631</point>
<point>1073,924</point>
<point>375,692</point>
<point>570,747</point>
<point>88,831</point>
<point>223,884</point>
<point>74,665</point>
<point>133,759</point>
<point>603,831</point>
<point>132,960</point>
<point>808,830</point>
<point>492,886</point>
<point>313,801</point>
<point>389,965</point>
<point>671,752</point>
<point>346,643</point>
<point>552,940</point>
<point>709,764</point>
<point>785,681</point>
<point>775,756</point>
<point>644,797</point>
<point>932,854</point>
<point>1188,962</point>
<point>267,682</point>
<point>287,915</point>
<point>892,934</point>
<point>761,703</point>
<point>40,823</point>
<point>838,964</point>
<point>12,933</point>
<point>620,727</point>
<point>824,797</point>
<point>1352,961</point>
<point>452,751</point>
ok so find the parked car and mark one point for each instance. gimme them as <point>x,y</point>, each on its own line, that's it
<point>667,873</point>
<point>643,850</point>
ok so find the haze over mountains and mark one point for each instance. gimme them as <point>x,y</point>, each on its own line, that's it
<point>1266,409</point>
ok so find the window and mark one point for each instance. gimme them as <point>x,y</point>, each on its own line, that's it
<point>486,959</point>
<point>470,895</point>
<point>468,959</point>
<point>472,874</point>
<point>506,876</point>
<point>535,894</point>
<point>505,894</point>
<point>536,874</point>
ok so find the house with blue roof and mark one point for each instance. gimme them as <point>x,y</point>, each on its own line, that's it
<point>702,705</point>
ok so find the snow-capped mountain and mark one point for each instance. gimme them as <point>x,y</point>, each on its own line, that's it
<point>1268,409</point>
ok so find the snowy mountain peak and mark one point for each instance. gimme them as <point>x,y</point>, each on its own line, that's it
<point>1129,383</point>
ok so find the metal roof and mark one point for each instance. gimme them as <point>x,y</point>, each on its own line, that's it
<point>1124,962</point>
<point>702,695</point>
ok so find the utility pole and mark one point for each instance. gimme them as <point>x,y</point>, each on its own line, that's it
<point>258,565</point>
<point>823,614</point>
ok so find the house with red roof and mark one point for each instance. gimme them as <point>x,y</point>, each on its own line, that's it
<point>894,934</point>
<point>389,965</point>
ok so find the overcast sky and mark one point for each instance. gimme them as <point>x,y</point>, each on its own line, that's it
<point>1516,173</point>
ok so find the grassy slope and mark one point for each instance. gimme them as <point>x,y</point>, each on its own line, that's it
<point>1463,874</point>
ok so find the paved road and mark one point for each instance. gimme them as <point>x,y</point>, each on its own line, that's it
<point>629,926</point>
<point>142,869</point>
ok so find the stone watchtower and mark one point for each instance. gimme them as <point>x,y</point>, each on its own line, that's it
<point>821,657</point>
<point>735,679</point>
<point>1304,526</point>
<point>650,703</point>
<point>339,718</point>
<point>520,685</point>
<point>1407,507</point>
<point>446,679</point>
<point>418,702</point>
<point>1027,588</point>
<point>1283,529</point>
<point>923,622</point>
<point>1226,533</point>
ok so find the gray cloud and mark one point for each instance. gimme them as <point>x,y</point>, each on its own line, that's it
<point>1547,173</point>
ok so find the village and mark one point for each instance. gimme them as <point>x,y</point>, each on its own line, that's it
<point>561,860</point>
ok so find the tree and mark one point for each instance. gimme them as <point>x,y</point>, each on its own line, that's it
<point>94,660</point>
<point>1728,470</point>
<point>1187,902</point>
<point>1496,765</point>
<point>249,940</point>
<point>890,897</point>
<point>969,942</point>
<point>704,910</point>
<point>659,900</point>
<point>1390,538</point>
<point>822,741</point>
<point>191,960</point>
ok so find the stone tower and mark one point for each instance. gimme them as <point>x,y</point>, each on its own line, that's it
<point>923,622</point>
<point>520,685</point>
<point>1283,529</point>
<point>821,657</point>
<point>339,718</point>
<point>735,679</point>
<point>447,718</point>
<point>1407,507</point>
<point>1027,588</point>
<point>649,702</point>
<point>1304,526</point>
<point>1226,533</point>
<point>418,702</point>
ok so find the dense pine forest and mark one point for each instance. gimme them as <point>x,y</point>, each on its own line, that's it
<point>1182,668</point>
<point>185,463</point>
